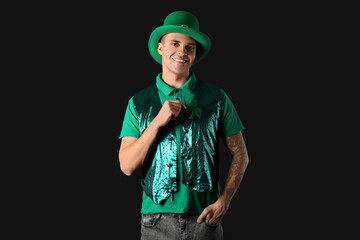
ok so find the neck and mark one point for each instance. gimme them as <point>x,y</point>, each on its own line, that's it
<point>175,80</point>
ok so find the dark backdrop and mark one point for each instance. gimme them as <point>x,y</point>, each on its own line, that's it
<point>95,57</point>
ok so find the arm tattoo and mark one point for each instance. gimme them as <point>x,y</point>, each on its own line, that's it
<point>237,148</point>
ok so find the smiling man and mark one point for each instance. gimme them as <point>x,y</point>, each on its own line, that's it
<point>178,53</point>
<point>171,132</point>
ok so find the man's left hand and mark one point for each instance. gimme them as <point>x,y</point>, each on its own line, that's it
<point>213,213</point>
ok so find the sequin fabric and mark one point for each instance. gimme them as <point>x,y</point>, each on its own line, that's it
<point>198,144</point>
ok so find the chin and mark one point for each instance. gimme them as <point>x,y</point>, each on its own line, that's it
<point>181,71</point>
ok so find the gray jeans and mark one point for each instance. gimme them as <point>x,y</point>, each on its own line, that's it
<point>171,226</point>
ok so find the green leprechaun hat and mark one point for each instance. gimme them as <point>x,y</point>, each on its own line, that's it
<point>180,22</point>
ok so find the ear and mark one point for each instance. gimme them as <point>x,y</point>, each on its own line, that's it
<point>160,48</point>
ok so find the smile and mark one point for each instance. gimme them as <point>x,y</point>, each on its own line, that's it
<point>179,60</point>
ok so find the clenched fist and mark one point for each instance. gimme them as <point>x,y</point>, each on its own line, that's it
<point>170,109</point>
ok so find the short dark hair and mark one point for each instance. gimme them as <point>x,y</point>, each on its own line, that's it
<point>162,37</point>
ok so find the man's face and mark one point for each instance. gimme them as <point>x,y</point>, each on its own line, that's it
<point>178,52</point>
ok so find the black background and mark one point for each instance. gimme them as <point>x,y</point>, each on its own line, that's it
<point>86,61</point>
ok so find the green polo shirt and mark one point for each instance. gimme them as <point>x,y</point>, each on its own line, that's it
<point>185,200</point>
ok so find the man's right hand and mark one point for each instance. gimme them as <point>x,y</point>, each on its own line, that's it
<point>170,109</point>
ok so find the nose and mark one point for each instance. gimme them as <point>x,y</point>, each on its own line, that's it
<point>182,51</point>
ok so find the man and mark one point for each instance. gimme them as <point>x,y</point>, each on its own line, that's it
<point>171,131</point>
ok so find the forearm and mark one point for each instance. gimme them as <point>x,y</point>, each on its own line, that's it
<point>234,178</point>
<point>214,213</point>
<point>237,167</point>
<point>133,155</point>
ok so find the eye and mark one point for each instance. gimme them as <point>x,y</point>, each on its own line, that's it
<point>190,47</point>
<point>174,44</point>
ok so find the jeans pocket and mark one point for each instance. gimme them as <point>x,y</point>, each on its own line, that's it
<point>211,226</point>
<point>149,220</point>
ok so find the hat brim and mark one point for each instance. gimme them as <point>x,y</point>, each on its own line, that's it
<point>202,48</point>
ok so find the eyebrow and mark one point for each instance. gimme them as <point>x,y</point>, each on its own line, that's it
<point>177,41</point>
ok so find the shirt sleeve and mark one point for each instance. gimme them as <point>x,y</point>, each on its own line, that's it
<point>130,127</point>
<point>231,122</point>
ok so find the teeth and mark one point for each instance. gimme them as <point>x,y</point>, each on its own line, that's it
<point>179,60</point>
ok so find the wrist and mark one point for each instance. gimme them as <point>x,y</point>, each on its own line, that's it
<point>225,200</point>
<point>155,124</point>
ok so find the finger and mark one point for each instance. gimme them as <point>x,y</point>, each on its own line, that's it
<point>208,218</point>
<point>176,109</point>
<point>202,216</point>
<point>217,221</point>
<point>176,113</point>
<point>213,220</point>
<point>182,105</point>
<point>175,104</point>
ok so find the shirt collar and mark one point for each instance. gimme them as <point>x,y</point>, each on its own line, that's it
<point>189,86</point>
